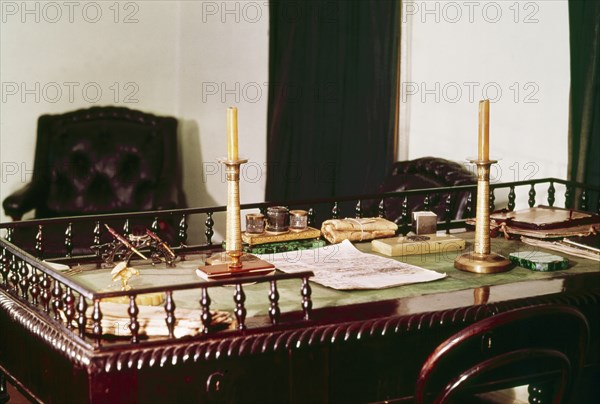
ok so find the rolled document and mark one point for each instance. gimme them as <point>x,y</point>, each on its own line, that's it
<point>338,230</point>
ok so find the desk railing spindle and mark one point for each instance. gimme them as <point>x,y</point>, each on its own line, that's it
<point>126,228</point>
<point>358,209</point>
<point>205,315</point>
<point>24,282</point>
<point>154,227</point>
<point>35,287</point>
<point>381,208</point>
<point>134,324</point>
<point>512,196</point>
<point>14,274</point>
<point>448,211</point>
<point>404,216</point>
<point>492,200</point>
<point>46,284</point>
<point>4,266</point>
<point>531,200</point>
<point>170,312</point>
<point>306,292</point>
<point>56,299</point>
<point>569,197</point>
<point>81,315</point>
<point>551,193</point>
<point>274,311</point>
<point>583,200</point>
<point>69,240</point>
<point>427,202</point>
<point>69,304</point>
<point>311,217</point>
<point>239,297</point>
<point>335,211</point>
<point>470,208</point>
<point>97,322</point>
<point>209,223</point>
<point>182,231</point>
<point>39,242</point>
<point>9,234</point>
<point>97,234</point>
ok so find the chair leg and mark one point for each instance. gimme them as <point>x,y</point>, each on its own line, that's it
<point>4,397</point>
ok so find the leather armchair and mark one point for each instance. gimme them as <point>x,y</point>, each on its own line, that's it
<point>427,172</point>
<point>100,160</point>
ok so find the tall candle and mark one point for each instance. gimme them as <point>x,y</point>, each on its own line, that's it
<point>483,149</point>
<point>232,134</point>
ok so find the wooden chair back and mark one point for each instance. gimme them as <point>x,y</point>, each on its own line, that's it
<point>549,341</point>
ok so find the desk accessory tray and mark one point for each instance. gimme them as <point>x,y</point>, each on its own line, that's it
<point>412,245</point>
<point>264,238</point>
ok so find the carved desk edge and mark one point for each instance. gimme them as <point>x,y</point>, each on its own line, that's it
<point>286,337</point>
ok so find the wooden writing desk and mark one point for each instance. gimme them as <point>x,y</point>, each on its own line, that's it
<point>358,346</point>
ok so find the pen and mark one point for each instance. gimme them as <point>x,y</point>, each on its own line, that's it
<point>161,243</point>
<point>124,241</point>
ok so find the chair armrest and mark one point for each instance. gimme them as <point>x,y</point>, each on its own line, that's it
<point>21,201</point>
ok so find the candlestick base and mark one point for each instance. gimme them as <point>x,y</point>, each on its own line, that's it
<point>252,267</point>
<point>482,263</point>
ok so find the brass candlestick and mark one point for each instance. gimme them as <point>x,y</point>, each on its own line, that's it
<point>236,263</point>
<point>234,232</point>
<point>482,260</point>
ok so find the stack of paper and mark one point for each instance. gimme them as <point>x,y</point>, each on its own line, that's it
<point>342,266</point>
<point>115,320</point>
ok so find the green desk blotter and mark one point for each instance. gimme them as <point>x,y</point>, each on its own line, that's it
<point>539,261</point>
<point>272,248</point>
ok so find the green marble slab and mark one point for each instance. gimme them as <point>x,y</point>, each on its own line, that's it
<point>539,260</point>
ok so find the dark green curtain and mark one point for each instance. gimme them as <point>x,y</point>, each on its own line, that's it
<point>584,120</point>
<point>332,100</point>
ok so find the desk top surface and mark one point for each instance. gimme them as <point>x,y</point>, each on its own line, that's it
<point>455,290</point>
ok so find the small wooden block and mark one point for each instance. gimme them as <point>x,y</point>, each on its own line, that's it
<point>400,246</point>
<point>424,222</point>
<point>263,238</point>
<point>539,261</point>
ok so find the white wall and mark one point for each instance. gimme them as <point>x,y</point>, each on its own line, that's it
<point>192,59</point>
<point>189,59</point>
<point>516,54</point>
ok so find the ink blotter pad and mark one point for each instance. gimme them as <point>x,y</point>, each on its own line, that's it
<point>539,261</point>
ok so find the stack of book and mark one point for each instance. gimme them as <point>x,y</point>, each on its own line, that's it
<point>579,246</point>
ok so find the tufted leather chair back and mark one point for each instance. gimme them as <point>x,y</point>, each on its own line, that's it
<point>105,160</point>
<point>427,172</point>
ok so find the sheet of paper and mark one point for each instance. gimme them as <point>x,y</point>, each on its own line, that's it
<point>342,266</point>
